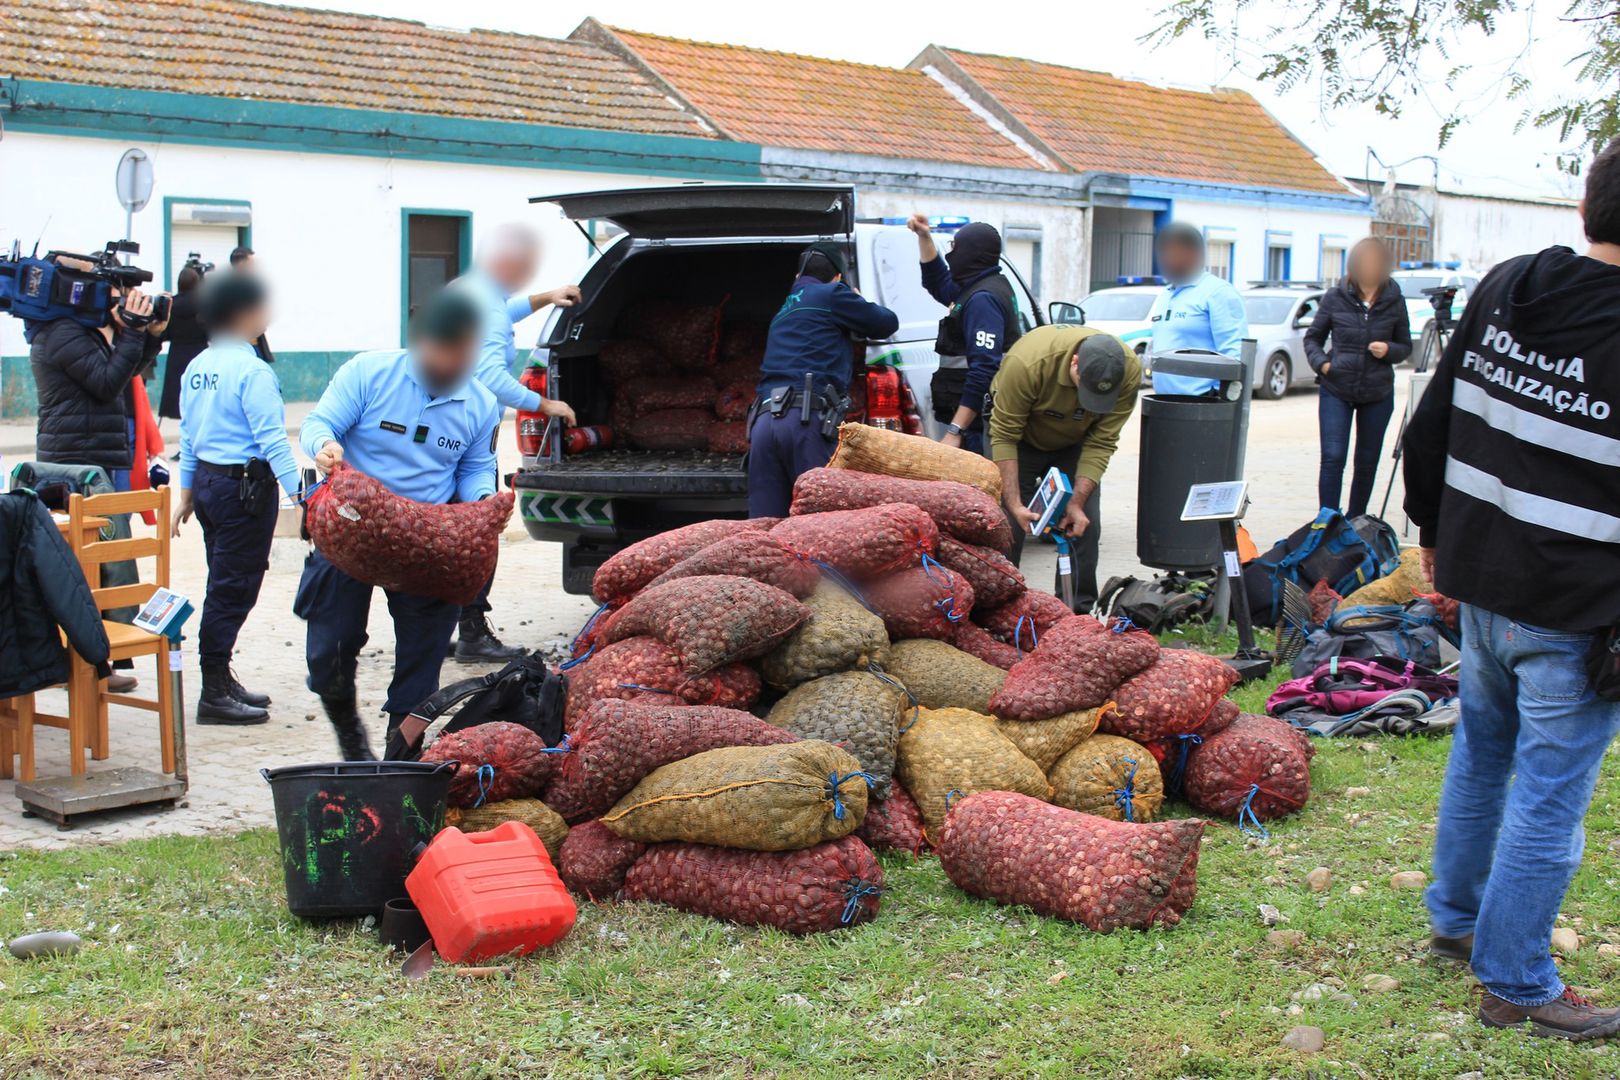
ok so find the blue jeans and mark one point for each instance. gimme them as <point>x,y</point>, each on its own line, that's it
<point>1524,761</point>
<point>1336,416</point>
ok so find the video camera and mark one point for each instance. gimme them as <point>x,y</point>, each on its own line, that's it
<point>194,261</point>
<point>1442,297</point>
<point>40,290</point>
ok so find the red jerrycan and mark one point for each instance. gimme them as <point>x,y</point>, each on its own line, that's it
<point>489,894</point>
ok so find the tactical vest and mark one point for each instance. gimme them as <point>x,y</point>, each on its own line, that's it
<point>952,340</point>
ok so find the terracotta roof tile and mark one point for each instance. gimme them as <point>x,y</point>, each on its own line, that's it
<point>236,49</point>
<point>808,102</point>
<point>1099,121</point>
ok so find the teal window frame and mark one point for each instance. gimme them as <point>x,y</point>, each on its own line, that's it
<point>1334,240</point>
<point>244,233</point>
<point>1284,239</point>
<point>405,215</point>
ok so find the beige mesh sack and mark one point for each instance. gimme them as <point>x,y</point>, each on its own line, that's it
<point>546,822</point>
<point>948,753</point>
<point>1044,741</point>
<point>839,635</point>
<point>941,676</point>
<point>864,448</point>
<point>1111,777</point>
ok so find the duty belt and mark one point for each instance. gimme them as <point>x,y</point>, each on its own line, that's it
<point>235,472</point>
<point>827,405</point>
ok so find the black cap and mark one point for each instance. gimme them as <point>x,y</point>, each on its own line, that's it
<point>833,253</point>
<point>448,317</point>
<point>227,296</point>
<point>1102,373</point>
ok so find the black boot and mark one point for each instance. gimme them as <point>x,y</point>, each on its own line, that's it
<point>218,705</point>
<point>244,695</point>
<point>479,645</point>
<point>351,731</point>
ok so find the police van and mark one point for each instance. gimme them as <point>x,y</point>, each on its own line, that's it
<point>734,246</point>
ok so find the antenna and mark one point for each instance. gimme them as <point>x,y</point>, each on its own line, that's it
<point>41,236</point>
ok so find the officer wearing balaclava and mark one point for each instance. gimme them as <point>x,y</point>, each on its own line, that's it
<point>979,327</point>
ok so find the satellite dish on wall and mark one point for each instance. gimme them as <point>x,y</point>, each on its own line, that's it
<point>134,180</point>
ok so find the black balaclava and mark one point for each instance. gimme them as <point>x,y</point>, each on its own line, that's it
<point>975,249</point>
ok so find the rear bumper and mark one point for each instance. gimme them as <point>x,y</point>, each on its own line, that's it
<point>605,501</point>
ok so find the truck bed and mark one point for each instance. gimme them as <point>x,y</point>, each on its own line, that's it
<point>639,472</point>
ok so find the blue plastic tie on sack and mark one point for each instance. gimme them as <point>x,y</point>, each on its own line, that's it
<point>873,669</point>
<point>835,782</point>
<point>1018,633</point>
<point>1184,744</point>
<point>586,655</point>
<point>1246,815</point>
<point>832,574</point>
<point>644,689</point>
<point>561,748</point>
<point>313,489</point>
<point>1121,624</point>
<point>858,891</point>
<point>1125,797</point>
<point>486,780</point>
<point>948,795</point>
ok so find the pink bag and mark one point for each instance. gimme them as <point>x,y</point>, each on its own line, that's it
<point>1346,685</point>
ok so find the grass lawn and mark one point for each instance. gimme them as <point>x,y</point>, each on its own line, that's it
<point>192,967</point>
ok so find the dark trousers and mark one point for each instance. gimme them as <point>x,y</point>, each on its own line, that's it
<point>337,607</point>
<point>780,450</point>
<point>238,548</point>
<point>474,612</point>
<point>1034,464</point>
<point>1371,420</point>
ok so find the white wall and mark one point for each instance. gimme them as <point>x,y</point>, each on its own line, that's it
<point>1481,232</point>
<point>1250,223</point>
<point>326,227</point>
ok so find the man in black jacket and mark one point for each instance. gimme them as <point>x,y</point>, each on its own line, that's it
<point>1512,465</point>
<point>82,379</point>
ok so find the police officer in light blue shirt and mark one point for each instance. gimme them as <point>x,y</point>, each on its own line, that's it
<point>1197,310</point>
<point>233,452</point>
<point>416,420</point>
<point>507,261</point>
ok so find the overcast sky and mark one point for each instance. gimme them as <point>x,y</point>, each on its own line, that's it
<point>1486,155</point>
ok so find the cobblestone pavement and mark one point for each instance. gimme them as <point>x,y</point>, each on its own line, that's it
<point>227,793</point>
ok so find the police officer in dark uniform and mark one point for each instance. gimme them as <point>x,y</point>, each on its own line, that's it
<point>979,327</point>
<point>804,379</point>
<point>418,422</point>
<point>233,451</point>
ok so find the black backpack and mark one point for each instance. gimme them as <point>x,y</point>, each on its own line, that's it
<point>1159,604</point>
<point>1347,553</point>
<point>523,692</point>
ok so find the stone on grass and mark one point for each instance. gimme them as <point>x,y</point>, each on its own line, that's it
<point>1319,879</point>
<point>1270,916</point>
<point>1565,941</point>
<point>1305,1039</point>
<point>1358,792</point>
<point>1609,949</point>
<point>1356,890</point>
<point>1381,984</point>
<point>1408,879</point>
<point>1286,939</point>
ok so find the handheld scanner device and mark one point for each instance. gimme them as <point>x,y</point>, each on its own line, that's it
<point>1050,500</point>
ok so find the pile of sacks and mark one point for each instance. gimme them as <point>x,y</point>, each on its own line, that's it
<point>682,378</point>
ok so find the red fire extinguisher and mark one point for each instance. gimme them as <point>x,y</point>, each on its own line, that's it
<point>577,440</point>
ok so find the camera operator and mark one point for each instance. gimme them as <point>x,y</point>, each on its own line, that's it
<point>82,377</point>
<point>185,336</point>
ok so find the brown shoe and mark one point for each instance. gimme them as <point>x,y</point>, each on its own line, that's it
<point>1458,949</point>
<point>121,684</point>
<point>1568,1016</point>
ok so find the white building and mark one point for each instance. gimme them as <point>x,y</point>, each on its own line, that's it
<point>1475,228</point>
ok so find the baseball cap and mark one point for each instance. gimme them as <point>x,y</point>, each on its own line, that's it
<point>833,253</point>
<point>1102,373</point>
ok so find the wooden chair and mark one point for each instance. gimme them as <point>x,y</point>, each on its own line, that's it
<point>88,696</point>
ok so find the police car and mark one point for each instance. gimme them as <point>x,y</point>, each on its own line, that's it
<point>1123,311</point>
<point>729,244</point>
<point>1415,276</point>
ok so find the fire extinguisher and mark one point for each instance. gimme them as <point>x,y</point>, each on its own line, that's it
<point>577,440</point>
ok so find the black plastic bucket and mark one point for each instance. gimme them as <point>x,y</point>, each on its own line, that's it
<point>350,830</point>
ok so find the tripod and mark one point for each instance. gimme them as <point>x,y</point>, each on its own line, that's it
<point>1432,348</point>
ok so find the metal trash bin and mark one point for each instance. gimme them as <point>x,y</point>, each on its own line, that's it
<point>1187,441</point>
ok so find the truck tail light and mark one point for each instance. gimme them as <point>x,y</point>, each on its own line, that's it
<point>883,398</point>
<point>531,425</point>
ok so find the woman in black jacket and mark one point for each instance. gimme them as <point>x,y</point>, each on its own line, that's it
<point>1358,336</point>
<point>185,336</point>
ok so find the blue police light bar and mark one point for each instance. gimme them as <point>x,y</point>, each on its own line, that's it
<point>939,223</point>
<point>1139,279</point>
<point>1425,264</point>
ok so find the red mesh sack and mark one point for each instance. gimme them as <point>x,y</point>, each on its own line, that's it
<point>710,620</point>
<point>1444,605</point>
<point>616,743</point>
<point>1323,600</point>
<point>1022,620</point>
<point>1103,874</point>
<point>446,552</point>
<point>811,891</point>
<point>1177,695</point>
<point>973,639</point>
<point>645,669</point>
<point>627,571</point>
<point>1076,666</point>
<point>671,429</point>
<point>594,860</point>
<point>498,761</point>
<point>994,578</point>
<point>926,601</point>
<point>862,544</point>
<point>743,343</point>
<point>687,334</point>
<point>625,361</point>
<point>750,554</point>
<point>660,393</point>
<point>1255,770</point>
<point>735,400</point>
<point>728,437</point>
<point>959,509</point>
<point>893,824</point>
